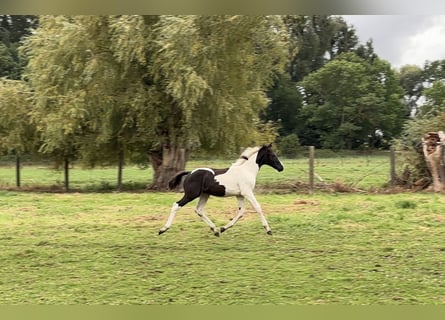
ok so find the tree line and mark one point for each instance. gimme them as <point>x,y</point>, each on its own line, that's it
<point>109,89</point>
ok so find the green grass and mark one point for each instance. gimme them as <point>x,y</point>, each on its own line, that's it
<point>326,249</point>
<point>362,172</point>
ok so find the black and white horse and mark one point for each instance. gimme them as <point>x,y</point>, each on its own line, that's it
<point>237,180</point>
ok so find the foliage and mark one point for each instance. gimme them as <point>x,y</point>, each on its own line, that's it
<point>434,100</point>
<point>107,85</point>
<point>431,113</point>
<point>429,118</point>
<point>434,70</point>
<point>416,168</point>
<point>411,80</point>
<point>17,133</point>
<point>289,145</point>
<point>80,105</point>
<point>351,102</point>
<point>285,106</point>
<point>218,81</point>
<point>415,81</point>
<point>12,29</point>
<point>316,40</point>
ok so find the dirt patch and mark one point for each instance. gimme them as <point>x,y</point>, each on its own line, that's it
<point>306,202</point>
<point>147,218</point>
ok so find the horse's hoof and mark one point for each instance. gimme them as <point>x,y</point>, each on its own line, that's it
<point>216,233</point>
<point>222,229</point>
<point>269,232</point>
<point>161,231</point>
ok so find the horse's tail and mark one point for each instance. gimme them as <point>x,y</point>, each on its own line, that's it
<point>176,180</point>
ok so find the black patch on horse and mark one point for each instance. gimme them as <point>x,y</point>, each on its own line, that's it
<point>197,183</point>
<point>204,182</point>
<point>267,156</point>
<point>178,178</point>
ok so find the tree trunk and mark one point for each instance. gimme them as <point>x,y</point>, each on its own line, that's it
<point>166,164</point>
<point>433,143</point>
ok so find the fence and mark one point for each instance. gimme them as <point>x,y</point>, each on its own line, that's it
<point>312,169</point>
<point>386,166</point>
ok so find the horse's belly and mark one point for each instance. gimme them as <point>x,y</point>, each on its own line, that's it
<point>232,192</point>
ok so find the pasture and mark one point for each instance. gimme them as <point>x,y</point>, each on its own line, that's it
<point>330,247</point>
<point>326,249</point>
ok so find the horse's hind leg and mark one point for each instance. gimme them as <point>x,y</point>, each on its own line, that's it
<point>200,212</point>
<point>241,208</point>
<point>176,206</point>
<point>169,222</point>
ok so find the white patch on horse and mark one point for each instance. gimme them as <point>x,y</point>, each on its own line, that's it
<point>240,177</point>
<point>207,169</point>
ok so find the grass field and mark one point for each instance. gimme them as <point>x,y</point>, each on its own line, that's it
<point>327,248</point>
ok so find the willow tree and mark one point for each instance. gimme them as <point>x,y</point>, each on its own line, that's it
<point>88,104</point>
<point>212,72</point>
<point>16,128</point>
<point>166,84</point>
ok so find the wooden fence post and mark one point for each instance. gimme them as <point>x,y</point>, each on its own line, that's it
<point>120,169</point>
<point>66,170</point>
<point>311,169</point>
<point>392,160</point>
<point>17,171</point>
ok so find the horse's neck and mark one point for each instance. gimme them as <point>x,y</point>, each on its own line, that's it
<point>251,166</point>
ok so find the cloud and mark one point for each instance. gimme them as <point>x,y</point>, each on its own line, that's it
<point>403,39</point>
<point>426,45</point>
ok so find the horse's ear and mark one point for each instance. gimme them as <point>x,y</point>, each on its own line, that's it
<point>270,145</point>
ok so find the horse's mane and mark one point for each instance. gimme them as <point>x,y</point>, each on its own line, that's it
<point>246,154</point>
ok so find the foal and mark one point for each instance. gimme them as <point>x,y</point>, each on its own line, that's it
<point>238,180</point>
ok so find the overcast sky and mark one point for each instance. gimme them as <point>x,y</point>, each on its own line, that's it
<point>403,39</point>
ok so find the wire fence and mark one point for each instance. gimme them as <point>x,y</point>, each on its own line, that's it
<point>313,169</point>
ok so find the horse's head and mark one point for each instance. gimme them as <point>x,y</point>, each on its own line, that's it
<point>267,156</point>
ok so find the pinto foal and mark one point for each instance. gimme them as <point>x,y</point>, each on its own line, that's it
<point>238,180</point>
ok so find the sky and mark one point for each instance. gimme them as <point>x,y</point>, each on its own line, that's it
<point>402,39</point>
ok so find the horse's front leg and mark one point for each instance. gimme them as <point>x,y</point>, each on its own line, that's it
<point>250,196</point>
<point>241,209</point>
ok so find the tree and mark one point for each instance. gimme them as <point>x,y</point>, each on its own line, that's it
<point>12,29</point>
<point>316,40</point>
<point>165,84</point>
<point>428,84</point>
<point>351,102</point>
<point>411,80</point>
<point>16,130</point>
<point>284,107</point>
<point>87,102</point>
<point>366,51</point>
<point>434,100</point>
<point>433,71</point>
